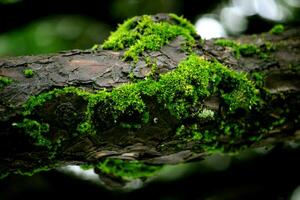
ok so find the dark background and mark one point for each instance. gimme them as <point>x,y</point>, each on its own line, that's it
<point>35,27</point>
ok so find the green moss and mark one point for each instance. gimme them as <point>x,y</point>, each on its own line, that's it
<point>87,166</point>
<point>36,131</point>
<point>35,101</point>
<point>206,114</point>
<point>127,170</point>
<point>190,132</point>
<point>141,34</point>
<point>269,46</point>
<point>3,175</point>
<point>4,81</point>
<point>28,73</point>
<point>258,78</point>
<point>246,49</point>
<point>225,43</point>
<point>277,29</point>
<point>85,128</point>
<point>197,79</point>
<point>131,76</point>
<point>34,171</point>
<point>95,47</point>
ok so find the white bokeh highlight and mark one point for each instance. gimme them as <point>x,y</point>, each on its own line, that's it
<point>269,9</point>
<point>76,171</point>
<point>293,3</point>
<point>246,6</point>
<point>233,19</point>
<point>208,27</point>
<point>296,194</point>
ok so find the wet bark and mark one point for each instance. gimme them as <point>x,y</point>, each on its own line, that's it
<point>153,143</point>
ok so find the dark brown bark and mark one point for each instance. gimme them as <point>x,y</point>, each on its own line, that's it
<point>95,70</point>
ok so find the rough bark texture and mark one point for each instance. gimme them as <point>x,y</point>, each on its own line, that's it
<point>154,142</point>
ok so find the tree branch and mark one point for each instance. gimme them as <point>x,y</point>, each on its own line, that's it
<point>45,122</point>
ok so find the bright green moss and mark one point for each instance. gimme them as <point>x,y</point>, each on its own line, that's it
<point>277,29</point>
<point>127,170</point>
<point>4,81</point>
<point>198,79</point>
<point>95,47</point>
<point>39,100</point>
<point>181,21</point>
<point>258,78</point>
<point>85,128</point>
<point>36,131</point>
<point>141,34</point>
<point>128,95</point>
<point>87,166</point>
<point>206,114</point>
<point>246,49</point>
<point>225,43</point>
<point>152,63</point>
<point>28,73</point>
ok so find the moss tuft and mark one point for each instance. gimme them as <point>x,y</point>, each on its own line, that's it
<point>4,81</point>
<point>277,29</point>
<point>28,73</point>
<point>246,49</point>
<point>36,131</point>
<point>127,170</point>
<point>141,34</point>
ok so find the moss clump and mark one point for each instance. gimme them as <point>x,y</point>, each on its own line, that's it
<point>225,43</point>
<point>246,49</point>
<point>35,101</point>
<point>197,79</point>
<point>36,131</point>
<point>141,34</point>
<point>4,81</point>
<point>127,170</point>
<point>124,169</point>
<point>28,73</point>
<point>277,29</point>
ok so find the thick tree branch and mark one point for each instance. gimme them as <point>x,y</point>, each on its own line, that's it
<point>274,67</point>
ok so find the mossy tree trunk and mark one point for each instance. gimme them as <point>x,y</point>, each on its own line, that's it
<point>45,122</point>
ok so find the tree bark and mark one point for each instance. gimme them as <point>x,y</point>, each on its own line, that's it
<point>155,142</point>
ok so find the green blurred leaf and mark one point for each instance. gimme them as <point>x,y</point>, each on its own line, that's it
<point>53,34</point>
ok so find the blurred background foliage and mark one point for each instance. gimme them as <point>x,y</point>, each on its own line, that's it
<point>52,34</point>
<point>34,27</point>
